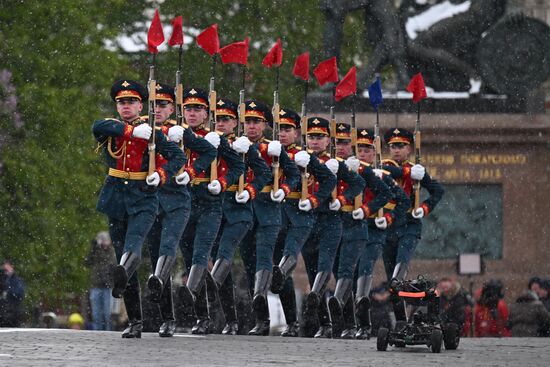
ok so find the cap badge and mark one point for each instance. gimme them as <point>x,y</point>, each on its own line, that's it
<point>221,103</point>
<point>193,92</point>
<point>396,131</point>
<point>125,84</point>
<point>252,104</point>
<point>316,121</point>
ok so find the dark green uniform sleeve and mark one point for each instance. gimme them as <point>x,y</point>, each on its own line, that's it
<point>327,181</point>
<point>235,165</point>
<point>206,151</point>
<point>402,202</point>
<point>291,171</point>
<point>102,129</point>
<point>378,187</point>
<point>356,184</point>
<point>262,173</point>
<point>435,189</point>
<point>171,152</point>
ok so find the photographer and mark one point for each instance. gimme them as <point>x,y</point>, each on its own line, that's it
<point>101,260</point>
<point>12,293</point>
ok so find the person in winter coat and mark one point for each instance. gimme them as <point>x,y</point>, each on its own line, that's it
<point>491,312</point>
<point>527,316</point>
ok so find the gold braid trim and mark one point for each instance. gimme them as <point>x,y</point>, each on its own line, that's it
<point>119,153</point>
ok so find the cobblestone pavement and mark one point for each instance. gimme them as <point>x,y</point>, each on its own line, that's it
<point>52,347</point>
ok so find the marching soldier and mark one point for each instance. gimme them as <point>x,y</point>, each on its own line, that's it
<point>238,215</point>
<point>258,246</point>
<point>320,249</point>
<point>401,241</point>
<point>355,228</point>
<point>174,209</point>
<point>202,229</point>
<point>298,217</point>
<point>129,195</point>
<point>395,213</point>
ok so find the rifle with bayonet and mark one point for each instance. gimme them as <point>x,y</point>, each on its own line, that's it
<point>212,125</point>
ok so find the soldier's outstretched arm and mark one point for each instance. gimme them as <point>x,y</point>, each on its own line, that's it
<point>234,162</point>
<point>378,187</point>
<point>356,184</point>
<point>207,153</point>
<point>102,129</point>
<point>262,172</point>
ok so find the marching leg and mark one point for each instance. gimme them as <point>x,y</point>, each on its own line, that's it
<point>156,281</point>
<point>336,304</point>
<point>260,304</point>
<point>168,327</point>
<point>128,264</point>
<point>362,306</point>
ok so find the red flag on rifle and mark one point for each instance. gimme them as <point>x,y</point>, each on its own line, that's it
<point>347,86</point>
<point>417,88</point>
<point>301,66</point>
<point>208,40</point>
<point>177,32</point>
<point>236,53</point>
<point>326,71</point>
<point>155,36</point>
<point>274,56</point>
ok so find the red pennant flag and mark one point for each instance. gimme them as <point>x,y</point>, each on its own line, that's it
<point>301,66</point>
<point>417,88</point>
<point>208,40</point>
<point>176,39</point>
<point>274,56</point>
<point>326,71</point>
<point>155,36</point>
<point>347,86</point>
<point>236,53</point>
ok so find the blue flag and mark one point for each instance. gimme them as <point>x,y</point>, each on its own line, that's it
<point>375,94</point>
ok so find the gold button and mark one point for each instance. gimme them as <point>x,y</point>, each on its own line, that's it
<point>127,169</point>
<point>128,155</point>
<point>126,182</point>
<point>129,142</point>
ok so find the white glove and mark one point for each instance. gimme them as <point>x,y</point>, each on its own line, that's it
<point>213,138</point>
<point>358,214</point>
<point>183,179</point>
<point>142,131</point>
<point>353,164</point>
<point>302,158</point>
<point>378,172</point>
<point>305,205</point>
<point>153,180</point>
<point>241,145</point>
<point>381,223</point>
<point>335,205</point>
<point>175,133</point>
<point>417,172</point>
<point>277,196</point>
<point>243,197</point>
<point>332,165</point>
<point>418,213</point>
<point>274,148</point>
<point>215,187</point>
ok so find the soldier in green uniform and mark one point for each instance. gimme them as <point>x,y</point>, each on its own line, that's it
<point>401,240</point>
<point>238,215</point>
<point>129,195</point>
<point>320,249</point>
<point>355,227</point>
<point>297,216</point>
<point>174,209</point>
<point>206,215</point>
<point>258,246</point>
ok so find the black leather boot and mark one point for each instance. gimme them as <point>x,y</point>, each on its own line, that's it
<point>222,267</point>
<point>227,300</point>
<point>325,330</point>
<point>313,300</point>
<point>202,327</point>
<point>349,320</point>
<point>129,263</point>
<point>166,306</point>
<point>259,303</point>
<point>362,308</point>
<point>281,272</point>
<point>291,330</point>
<point>156,281</point>
<point>336,305</point>
<point>132,302</point>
